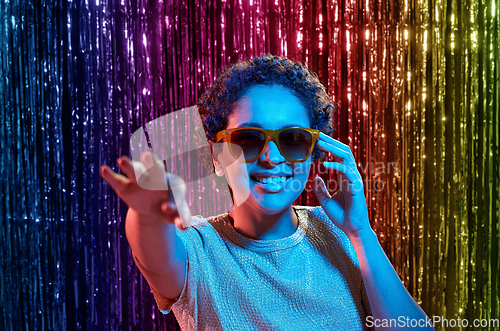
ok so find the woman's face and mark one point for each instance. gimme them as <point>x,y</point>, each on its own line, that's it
<point>268,107</point>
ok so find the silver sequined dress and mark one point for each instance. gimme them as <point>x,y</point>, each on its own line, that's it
<point>307,281</point>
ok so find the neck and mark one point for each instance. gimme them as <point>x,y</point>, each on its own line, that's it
<point>255,225</point>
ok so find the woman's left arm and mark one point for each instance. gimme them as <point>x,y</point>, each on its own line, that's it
<point>389,299</point>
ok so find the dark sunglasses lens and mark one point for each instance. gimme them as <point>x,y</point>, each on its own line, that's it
<point>295,143</point>
<point>250,141</point>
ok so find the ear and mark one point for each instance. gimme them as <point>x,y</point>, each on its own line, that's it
<point>215,151</point>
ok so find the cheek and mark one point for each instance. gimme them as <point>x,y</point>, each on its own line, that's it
<point>301,171</point>
<point>300,176</point>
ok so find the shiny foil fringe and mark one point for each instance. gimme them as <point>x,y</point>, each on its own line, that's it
<point>417,87</point>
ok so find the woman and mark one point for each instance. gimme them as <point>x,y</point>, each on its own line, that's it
<point>266,265</point>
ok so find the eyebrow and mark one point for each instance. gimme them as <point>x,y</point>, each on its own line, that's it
<point>257,125</point>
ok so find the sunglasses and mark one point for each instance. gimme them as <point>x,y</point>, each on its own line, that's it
<point>295,144</point>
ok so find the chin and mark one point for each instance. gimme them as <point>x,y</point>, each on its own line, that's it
<point>270,204</point>
<point>268,209</point>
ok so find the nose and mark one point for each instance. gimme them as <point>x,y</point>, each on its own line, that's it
<point>272,154</point>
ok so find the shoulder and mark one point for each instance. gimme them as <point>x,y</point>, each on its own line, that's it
<point>203,230</point>
<point>315,217</point>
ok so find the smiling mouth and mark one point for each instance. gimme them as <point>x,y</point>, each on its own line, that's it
<point>270,180</point>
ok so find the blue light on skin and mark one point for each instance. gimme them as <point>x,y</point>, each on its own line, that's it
<point>265,212</point>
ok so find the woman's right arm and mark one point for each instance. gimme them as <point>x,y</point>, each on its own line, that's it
<point>150,223</point>
<point>158,252</point>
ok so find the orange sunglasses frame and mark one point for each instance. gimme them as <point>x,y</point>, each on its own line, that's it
<point>270,135</point>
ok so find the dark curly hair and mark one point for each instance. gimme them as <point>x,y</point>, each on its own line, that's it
<point>216,103</point>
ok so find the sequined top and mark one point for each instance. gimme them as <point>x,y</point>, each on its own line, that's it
<point>307,281</point>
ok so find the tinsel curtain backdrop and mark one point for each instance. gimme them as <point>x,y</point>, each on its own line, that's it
<point>417,85</point>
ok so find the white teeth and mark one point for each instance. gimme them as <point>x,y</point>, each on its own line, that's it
<point>273,180</point>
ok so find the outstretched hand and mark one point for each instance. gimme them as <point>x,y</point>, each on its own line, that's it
<point>147,189</point>
<point>347,207</point>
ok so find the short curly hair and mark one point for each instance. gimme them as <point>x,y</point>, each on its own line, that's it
<point>216,104</point>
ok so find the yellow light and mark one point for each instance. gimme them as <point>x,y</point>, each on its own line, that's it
<point>473,38</point>
<point>425,41</point>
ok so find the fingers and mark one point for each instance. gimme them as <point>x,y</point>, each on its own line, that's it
<point>330,204</point>
<point>127,167</point>
<point>154,165</point>
<point>181,215</point>
<point>154,177</point>
<point>169,209</point>
<point>320,190</point>
<point>185,214</point>
<point>118,182</point>
<point>178,190</point>
<point>343,169</point>
<point>337,148</point>
<point>150,174</point>
<point>339,152</point>
<point>331,141</point>
<point>355,183</point>
<point>344,155</point>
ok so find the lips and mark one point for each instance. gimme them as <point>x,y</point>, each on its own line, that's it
<point>271,183</point>
<point>267,177</point>
<point>270,180</point>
